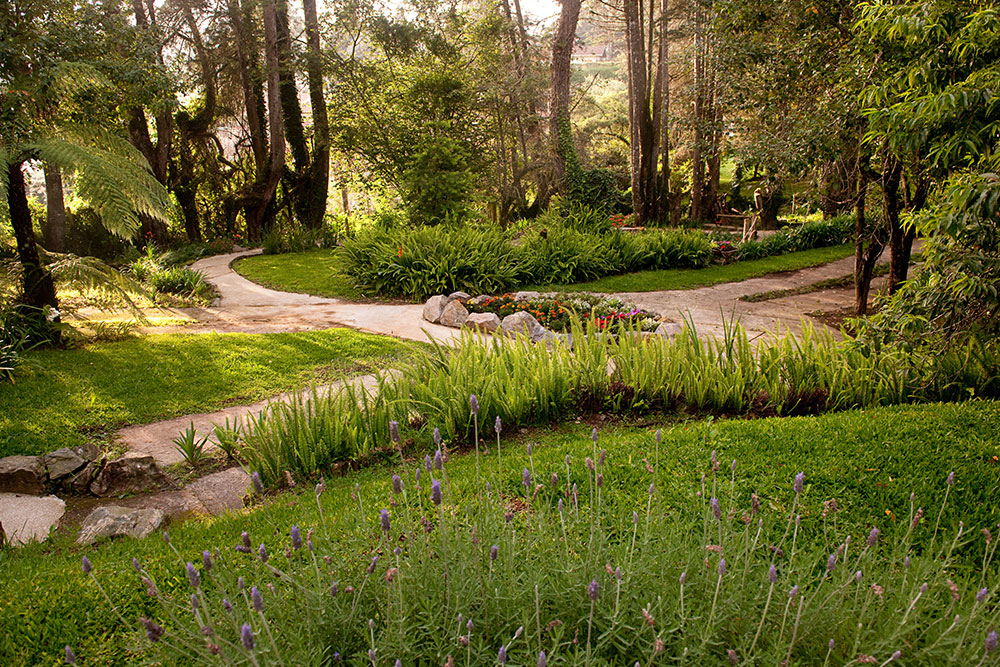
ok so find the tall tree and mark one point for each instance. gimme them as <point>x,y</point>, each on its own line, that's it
<point>560,130</point>
<point>54,228</point>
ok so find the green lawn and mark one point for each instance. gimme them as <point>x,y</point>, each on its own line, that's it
<point>316,272</point>
<point>63,397</point>
<point>673,279</point>
<point>869,461</point>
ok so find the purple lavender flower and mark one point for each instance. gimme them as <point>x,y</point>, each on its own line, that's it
<point>722,567</point>
<point>895,656</point>
<point>716,510</point>
<point>830,645</point>
<point>394,430</point>
<point>418,478</point>
<point>153,631</point>
<point>530,450</point>
<point>526,479</point>
<point>652,489</point>
<point>555,480</point>
<point>474,404</point>
<point>906,562</point>
<point>70,656</point>
<point>296,538</point>
<point>437,436</point>
<point>245,537</point>
<point>800,479</point>
<point>793,592</point>
<point>600,459</point>
<point>618,573</point>
<point>589,463</point>
<point>682,578</point>
<point>166,537</point>
<point>246,637</point>
<point>494,550</point>
<point>397,484</point>
<point>600,480</point>
<point>135,565</point>
<point>567,459</point>
<point>857,576</point>
<point>468,626</point>
<point>85,565</point>
<point>754,503</point>
<point>399,663</point>
<point>991,641</point>
<point>873,538</point>
<point>659,436</point>
<point>438,460</point>
<point>194,603</point>
<point>258,486</point>
<point>497,425</point>
<point>436,492</point>
<point>428,464</point>
<point>541,659</point>
<point>592,590</point>
<point>981,595</point>
<point>371,566</point>
<point>241,583</point>
<point>257,599</point>
<point>206,560</point>
<point>336,656</point>
<point>950,479</point>
<point>715,461</point>
<point>732,468</point>
<point>193,577</point>
<point>593,434</point>
<point>333,589</point>
<point>384,518</point>
<point>502,655</point>
<point>226,604</point>
<point>559,506</point>
<point>831,562</point>
<point>262,552</point>
<point>772,574</point>
<point>321,487</point>
<point>635,518</point>
<point>371,655</point>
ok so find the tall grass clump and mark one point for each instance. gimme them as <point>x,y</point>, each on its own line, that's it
<point>554,564</point>
<point>589,371</point>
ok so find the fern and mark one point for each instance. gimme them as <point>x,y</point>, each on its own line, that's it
<point>91,274</point>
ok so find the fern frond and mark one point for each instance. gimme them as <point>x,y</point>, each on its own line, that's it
<point>4,165</point>
<point>71,78</point>
<point>91,274</point>
<point>111,175</point>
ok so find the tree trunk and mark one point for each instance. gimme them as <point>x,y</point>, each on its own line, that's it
<point>54,230</point>
<point>561,131</point>
<point>38,290</point>
<point>661,115</point>
<point>319,172</point>
<point>865,255</point>
<point>900,240</point>
<point>697,164</point>
<point>641,150</point>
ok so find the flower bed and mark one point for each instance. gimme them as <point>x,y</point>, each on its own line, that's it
<point>556,311</point>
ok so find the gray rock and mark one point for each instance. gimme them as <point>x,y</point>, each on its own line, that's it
<point>433,308</point>
<point>29,518</point>
<point>476,300</point>
<point>668,330</point>
<point>113,521</point>
<point>23,474</point>
<point>526,296</point>
<point>80,482</point>
<point>488,322</point>
<point>565,339</point>
<point>63,463</point>
<point>88,451</point>
<point>459,296</point>
<point>129,474</point>
<point>522,323</point>
<point>543,336</point>
<point>454,314</point>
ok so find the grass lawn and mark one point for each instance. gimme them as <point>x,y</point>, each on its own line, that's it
<point>869,461</point>
<point>63,397</point>
<point>316,272</point>
<point>675,279</point>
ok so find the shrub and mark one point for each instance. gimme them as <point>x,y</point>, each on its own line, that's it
<point>280,240</point>
<point>23,327</point>
<point>822,233</point>
<point>177,280</point>
<point>437,184</point>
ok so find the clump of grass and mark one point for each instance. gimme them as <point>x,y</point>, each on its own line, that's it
<point>190,446</point>
<point>453,570</point>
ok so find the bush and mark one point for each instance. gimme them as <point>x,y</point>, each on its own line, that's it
<point>22,327</point>
<point>279,240</point>
<point>438,183</point>
<point>177,280</point>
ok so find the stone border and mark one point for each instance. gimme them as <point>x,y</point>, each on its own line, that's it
<point>450,311</point>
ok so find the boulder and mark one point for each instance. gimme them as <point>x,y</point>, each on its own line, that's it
<point>522,323</point>
<point>88,451</point>
<point>433,308</point>
<point>526,296</point>
<point>29,518</point>
<point>476,300</point>
<point>454,314</point>
<point>564,339</point>
<point>129,474</point>
<point>80,482</point>
<point>23,474</point>
<point>62,463</point>
<point>488,322</point>
<point>459,296</point>
<point>113,521</point>
<point>668,330</point>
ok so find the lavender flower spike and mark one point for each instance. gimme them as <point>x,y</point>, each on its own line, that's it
<point>438,460</point>
<point>394,430</point>
<point>772,574</point>
<point>831,562</point>
<point>474,404</point>
<point>296,538</point>
<point>542,662</point>
<point>799,482</point>
<point>262,552</point>
<point>793,592</point>
<point>592,590</point>
<point>371,566</point>
<point>502,655</point>
<point>950,479</point>
<point>526,479</point>
<point>257,599</point>
<point>498,425</point>
<point>246,637</point>
<point>494,550</point>
<point>193,577</point>
<point>722,567</point>
<point>991,641</point>
<point>85,565</point>
<point>136,565</point>
<point>683,578</point>
<point>428,464</point>
<point>831,644</point>
<point>206,560</point>
<point>258,486</point>
<point>153,631</point>
<point>857,576</point>
<point>436,492</point>
<point>384,518</point>
<point>873,538</point>
<point>593,434</point>
<point>716,510</point>
<point>659,436</point>
<point>397,484</point>
<point>70,656</point>
<point>981,595</point>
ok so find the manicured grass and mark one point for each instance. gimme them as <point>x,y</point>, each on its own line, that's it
<point>316,272</point>
<point>675,279</point>
<point>869,461</point>
<point>60,397</point>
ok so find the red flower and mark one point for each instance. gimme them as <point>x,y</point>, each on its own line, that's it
<point>400,251</point>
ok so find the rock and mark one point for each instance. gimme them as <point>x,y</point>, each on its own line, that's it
<point>112,521</point>
<point>23,474</point>
<point>433,308</point>
<point>564,339</point>
<point>476,300</point>
<point>129,474</point>
<point>488,322</point>
<point>29,518</point>
<point>62,463</point>
<point>88,451</point>
<point>454,314</point>
<point>522,323</point>
<point>543,336</point>
<point>526,296</point>
<point>668,330</point>
<point>459,296</point>
<point>80,482</point>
